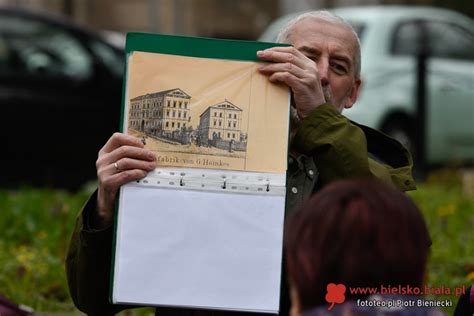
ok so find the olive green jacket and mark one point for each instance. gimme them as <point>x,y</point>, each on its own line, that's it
<point>330,147</point>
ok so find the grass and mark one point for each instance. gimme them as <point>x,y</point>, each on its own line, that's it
<point>450,217</point>
<point>36,225</point>
<point>35,228</point>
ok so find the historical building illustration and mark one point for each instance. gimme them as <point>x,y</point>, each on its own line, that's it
<point>164,114</point>
<point>165,118</point>
<point>220,126</point>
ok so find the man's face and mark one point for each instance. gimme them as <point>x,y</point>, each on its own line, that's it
<point>333,48</point>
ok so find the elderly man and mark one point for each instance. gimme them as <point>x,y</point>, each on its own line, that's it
<point>322,69</point>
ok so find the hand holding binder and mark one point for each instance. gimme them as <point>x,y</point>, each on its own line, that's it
<point>122,159</point>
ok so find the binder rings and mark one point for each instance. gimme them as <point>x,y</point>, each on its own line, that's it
<point>204,230</point>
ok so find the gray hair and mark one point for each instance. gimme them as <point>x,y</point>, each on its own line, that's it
<point>326,16</point>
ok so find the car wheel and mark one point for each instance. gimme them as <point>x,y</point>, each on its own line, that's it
<point>402,135</point>
<point>402,130</point>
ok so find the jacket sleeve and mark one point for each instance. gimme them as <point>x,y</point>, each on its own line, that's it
<point>340,150</point>
<point>88,266</point>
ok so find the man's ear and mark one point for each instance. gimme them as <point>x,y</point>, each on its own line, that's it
<point>354,94</point>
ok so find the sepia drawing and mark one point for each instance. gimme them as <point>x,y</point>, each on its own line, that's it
<point>206,113</point>
<point>219,126</point>
<point>163,121</point>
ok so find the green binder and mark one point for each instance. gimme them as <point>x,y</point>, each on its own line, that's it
<point>204,230</point>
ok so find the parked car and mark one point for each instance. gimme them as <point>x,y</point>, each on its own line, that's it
<point>391,38</point>
<point>60,96</point>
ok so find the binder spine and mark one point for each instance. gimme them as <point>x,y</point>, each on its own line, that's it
<point>216,180</point>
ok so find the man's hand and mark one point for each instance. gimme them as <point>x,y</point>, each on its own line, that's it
<point>121,160</point>
<point>293,68</point>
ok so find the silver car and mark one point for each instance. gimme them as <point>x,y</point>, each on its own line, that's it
<point>391,38</point>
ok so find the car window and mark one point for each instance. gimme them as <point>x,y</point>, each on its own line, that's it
<point>4,55</point>
<point>407,39</point>
<point>450,41</point>
<point>114,61</point>
<point>443,40</point>
<point>358,28</point>
<point>33,47</point>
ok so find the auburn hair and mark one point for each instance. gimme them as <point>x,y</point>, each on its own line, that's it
<point>361,233</point>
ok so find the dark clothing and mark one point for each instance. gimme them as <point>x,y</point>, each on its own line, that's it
<point>465,304</point>
<point>330,147</point>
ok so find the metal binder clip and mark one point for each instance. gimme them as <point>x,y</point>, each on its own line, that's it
<point>224,186</point>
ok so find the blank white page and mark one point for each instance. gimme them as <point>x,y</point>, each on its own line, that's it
<point>198,249</point>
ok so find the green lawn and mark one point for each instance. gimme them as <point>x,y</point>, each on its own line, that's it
<point>36,224</point>
<point>450,217</point>
<point>35,228</point>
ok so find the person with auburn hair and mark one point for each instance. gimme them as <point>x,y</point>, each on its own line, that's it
<point>355,233</point>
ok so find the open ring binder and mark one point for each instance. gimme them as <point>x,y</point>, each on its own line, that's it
<point>213,180</point>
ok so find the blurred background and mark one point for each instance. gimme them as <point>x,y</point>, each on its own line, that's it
<point>61,71</point>
<point>245,19</point>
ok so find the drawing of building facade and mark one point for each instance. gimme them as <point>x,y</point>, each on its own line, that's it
<point>222,120</point>
<point>220,125</point>
<point>161,113</point>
